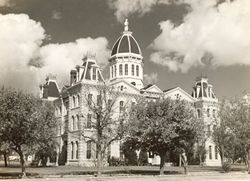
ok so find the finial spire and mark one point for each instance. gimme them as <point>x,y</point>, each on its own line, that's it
<point>126,25</point>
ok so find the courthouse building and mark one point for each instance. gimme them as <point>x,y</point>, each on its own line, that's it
<point>125,76</point>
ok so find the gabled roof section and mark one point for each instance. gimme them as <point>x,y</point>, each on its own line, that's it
<point>152,88</point>
<point>132,87</point>
<point>178,92</point>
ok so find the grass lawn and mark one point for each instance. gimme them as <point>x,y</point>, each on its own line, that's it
<point>13,171</point>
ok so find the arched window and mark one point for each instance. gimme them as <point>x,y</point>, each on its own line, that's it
<point>74,101</point>
<point>210,152</point>
<point>88,156</point>
<point>137,70</point>
<point>199,113</point>
<point>121,106</point>
<point>126,69</point>
<point>73,123</point>
<point>214,113</point>
<point>88,121</point>
<point>94,73</point>
<point>115,70</point>
<point>76,122</point>
<point>112,71</point>
<point>120,69</point>
<point>208,112</point>
<point>78,99</point>
<point>216,152</point>
<point>133,69</point>
<point>122,87</point>
<point>77,150</point>
<point>72,150</point>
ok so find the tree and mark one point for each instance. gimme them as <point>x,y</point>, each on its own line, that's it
<point>4,150</point>
<point>108,123</point>
<point>27,122</point>
<point>162,126</point>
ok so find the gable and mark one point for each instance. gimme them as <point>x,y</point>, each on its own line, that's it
<point>179,93</point>
<point>154,89</point>
<point>125,87</point>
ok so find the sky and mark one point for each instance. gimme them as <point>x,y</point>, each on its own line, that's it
<point>180,40</point>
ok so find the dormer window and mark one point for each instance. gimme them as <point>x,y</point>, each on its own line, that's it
<point>120,69</point>
<point>137,70</point>
<point>126,69</point>
<point>133,69</point>
<point>122,88</point>
<point>94,73</point>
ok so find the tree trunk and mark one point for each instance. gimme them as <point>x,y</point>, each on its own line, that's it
<point>222,154</point>
<point>200,160</point>
<point>99,159</point>
<point>5,159</point>
<point>248,161</point>
<point>22,162</point>
<point>162,164</point>
<point>184,160</point>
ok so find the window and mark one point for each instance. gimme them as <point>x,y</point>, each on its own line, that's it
<point>121,152</point>
<point>122,87</point>
<point>209,130</point>
<point>216,152</point>
<point>208,112</point>
<point>214,113</point>
<point>74,101</point>
<point>90,99</point>
<point>120,69</point>
<point>77,150</point>
<point>137,70</point>
<point>94,73</point>
<point>121,106</point>
<point>73,123</point>
<point>126,69</point>
<point>199,113</point>
<point>89,121</point>
<point>210,152</point>
<point>72,150</point>
<point>133,69</point>
<point>76,122</point>
<point>88,156</point>
<point>115,70</point>
<point>79,100</point>
<point>109,103</point>
<point>151,154</point>
<point>112,71</point>
<point>99,100</point>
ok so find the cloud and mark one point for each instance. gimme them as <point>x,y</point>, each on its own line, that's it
<point>25,62</point>
<point>6,3</point>
<point>59,59</point>
<point>57,15</point>
<point>150,78</point>
<point>211,33</point>
<point>124,8</point>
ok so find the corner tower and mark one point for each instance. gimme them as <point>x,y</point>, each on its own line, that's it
<point>126,61</point>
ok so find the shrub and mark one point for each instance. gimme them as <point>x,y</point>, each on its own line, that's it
<point>226,166</point>
<point>113,161</point>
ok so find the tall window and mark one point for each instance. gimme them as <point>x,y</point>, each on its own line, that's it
<point>109,103</point>
<point>137,70</point>
<point>208,112</point>
<point>88,156</point>
<point>115,69</point>
<point>133,69</point>
<point>209,130</point>
<point>126,69</point>
<point>77,147</point>
<point>72,150</point>
<point>120,69</point>
<point>73,123</point>
<point>210,152</point>
<point>76,122</point>
<point>79,100</point>
<point>216,152</point>
<point>94,73</point>
<point>74,101</point>
<point>214,113</point>
<point>199,113</point>
<point>121,106</point>
<point>99,100</point>
<point>90,99</point>
<point>89,121</point>
<point>112,71</point>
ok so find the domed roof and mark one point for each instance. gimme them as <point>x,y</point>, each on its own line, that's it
<point>126,43</point>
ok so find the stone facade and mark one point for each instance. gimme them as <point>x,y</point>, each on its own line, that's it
<point>126,77</point>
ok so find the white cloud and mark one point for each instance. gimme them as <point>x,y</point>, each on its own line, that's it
<point>124,8</point>
<point>59,59</point>
<point>6,3</point>
<point>57,15</point>
<point>150,78</point>
<point>25,62</point>
<point>217,34</point>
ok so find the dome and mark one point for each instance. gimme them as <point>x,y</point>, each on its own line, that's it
<point>126,43</point>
